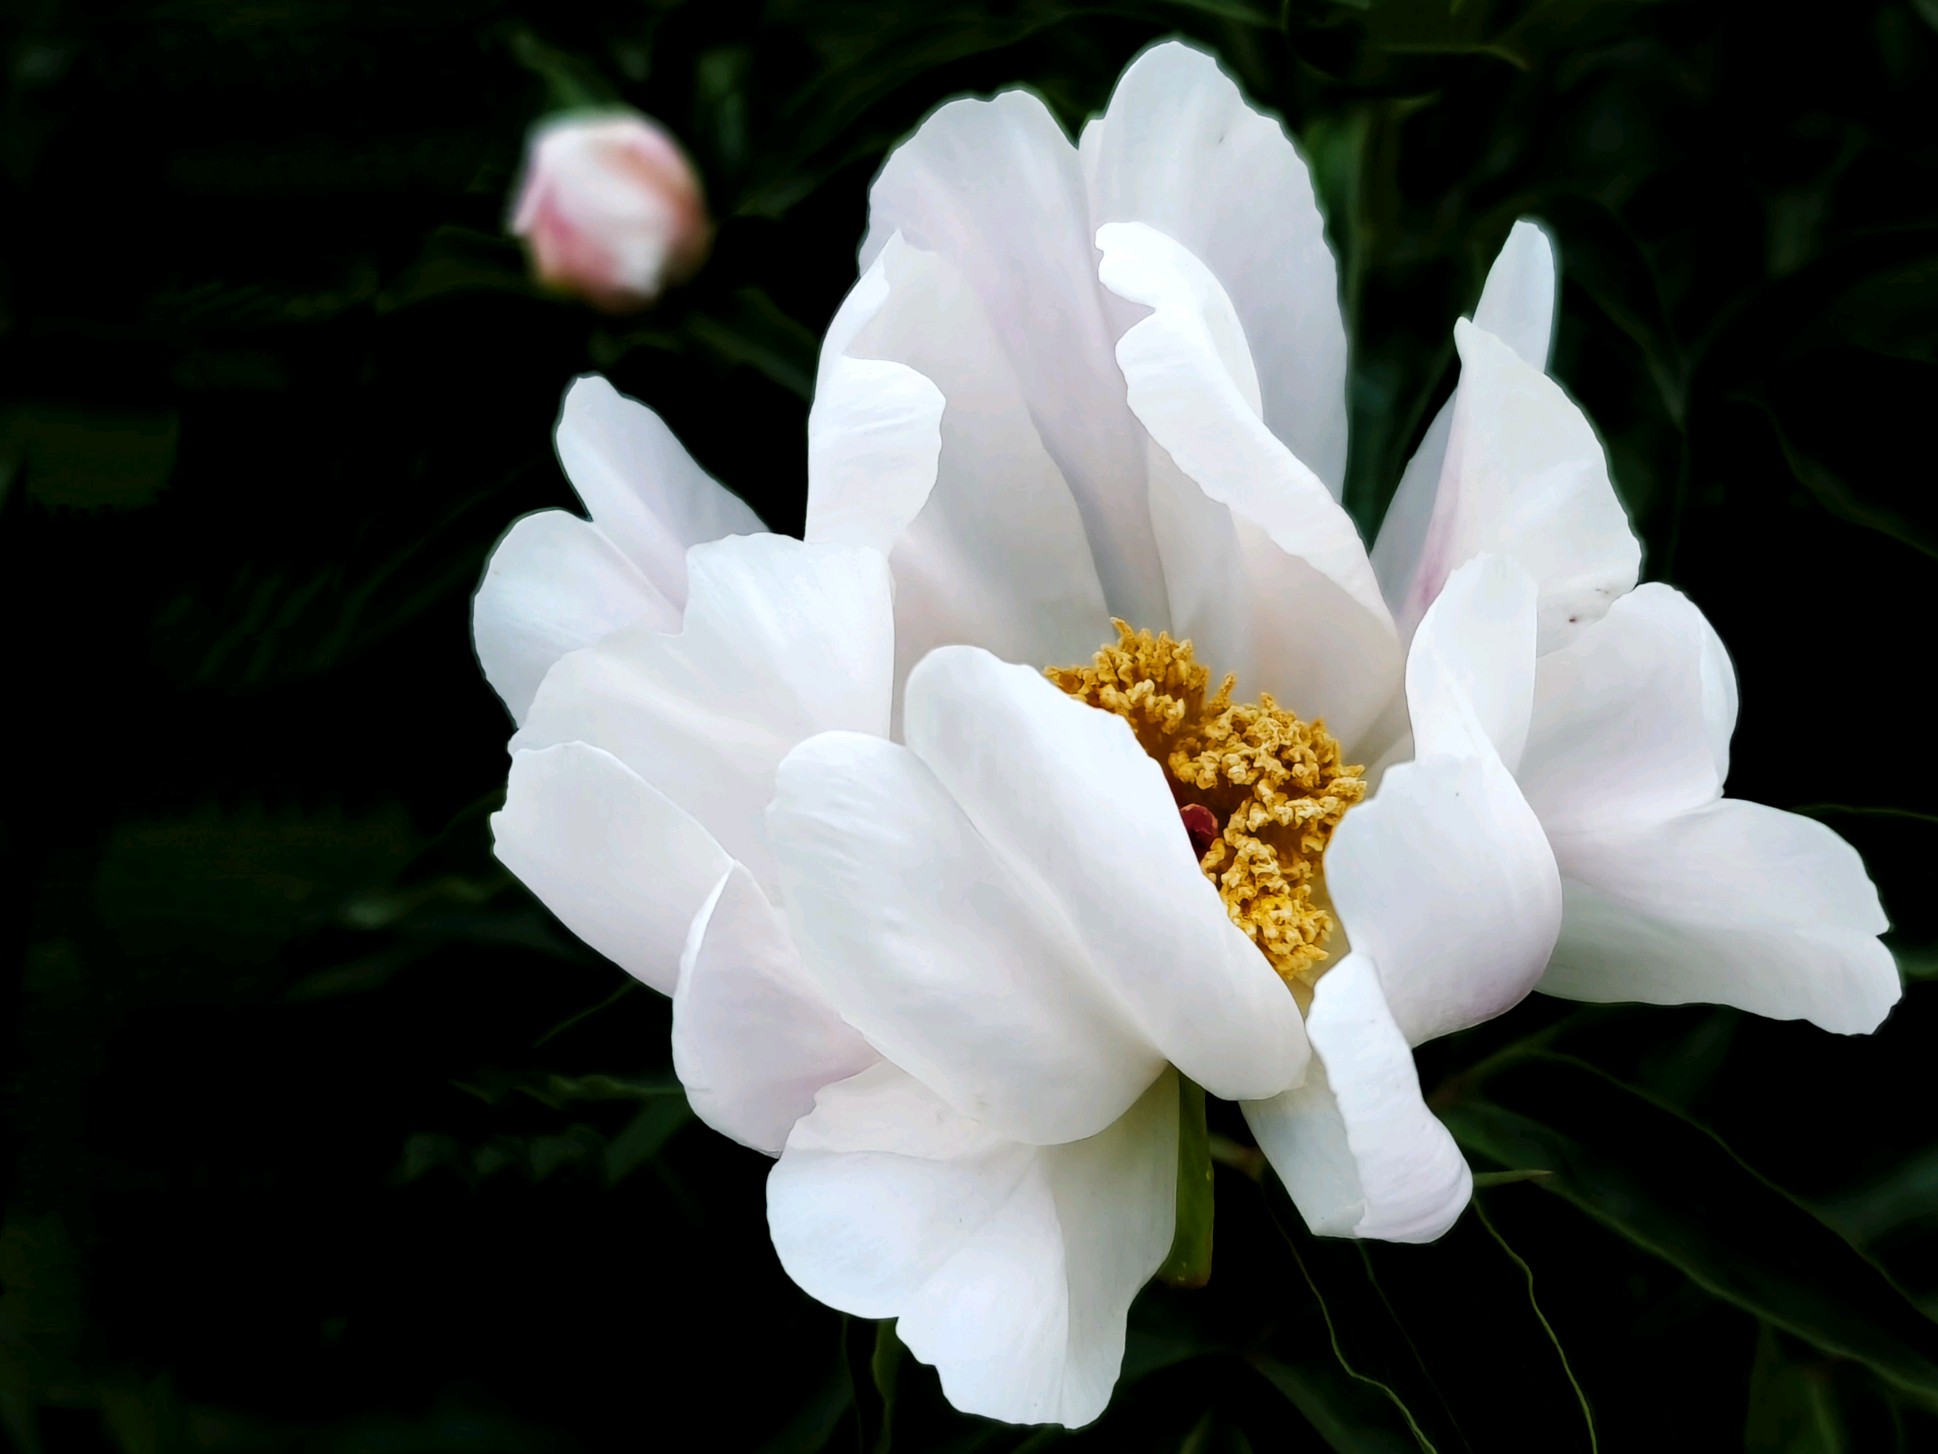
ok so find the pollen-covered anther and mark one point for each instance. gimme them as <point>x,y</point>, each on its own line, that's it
<point>1278,785</point>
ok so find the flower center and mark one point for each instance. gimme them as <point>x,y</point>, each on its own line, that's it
<point>1258,790</point>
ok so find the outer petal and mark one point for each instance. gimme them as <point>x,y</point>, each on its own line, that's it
<point>1010,1268</point>
<point>1674,894</point>
<point>1734,904</point>
<point>1356,1146</point>
<point>1517,307</point>
<point>1180,150</point>
<point>621,866</point>
<point>932,946</point>
<point>553,584</point>
<point>1444,878</point>
<point>556,583</point>
<point>1517,300</point>
<point>1470,672</point>
<point>986,543</point>
<point>782,640</point>
<point>641,488</point>
<point>1625,719</point>
<point>994,188</point>
<point>1066,795</point>
<point>752,1041</point>
<point>1009,908</point>
<point>1525,477</point>
<point>1265,570</point>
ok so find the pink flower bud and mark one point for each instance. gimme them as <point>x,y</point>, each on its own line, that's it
<point>610,209</point>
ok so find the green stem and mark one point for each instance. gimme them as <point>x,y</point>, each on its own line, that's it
<point>1189,1262</point>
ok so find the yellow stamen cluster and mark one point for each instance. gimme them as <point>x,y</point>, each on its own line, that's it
<point>1276,784</point>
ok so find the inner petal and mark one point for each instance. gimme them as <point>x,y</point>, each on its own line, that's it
<point>1259,790</point>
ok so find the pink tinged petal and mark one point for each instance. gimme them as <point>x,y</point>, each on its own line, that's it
<point>1733,904</point>
<point>986,542</point>
<point>752,1040</point>
<point>611,208</point>
<point>1517,307</point>
<point>641,487</point>
<point>1399,550</point>
<point>1266,572</point>
<point>1180,150</point>
<point>1065,795</point>
<point>1010,1268</point>
<point>994,189</point>
<point>948,959</point>
<point>1357,1148</point>
<point>555,583</point>
<point>1673,893</point>
<point>1525,477</point>
<point>620,865</point>
<point>781,640</point>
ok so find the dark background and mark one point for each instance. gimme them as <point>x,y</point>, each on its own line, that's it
<point>322,1136</point>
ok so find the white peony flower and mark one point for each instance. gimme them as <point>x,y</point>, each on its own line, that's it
<point>958,945</point>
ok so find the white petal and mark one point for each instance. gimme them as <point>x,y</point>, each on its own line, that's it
<point>1523,476</point>
<point>1718,698</point>
<point>555,583</point>
<point>782,640</point>
<point>1517,307</point>
<point>1733,904</point>
<point>1626,718</point>
<point>994,188</point>
<point>1444,879</point>
<point>987,546</point>
<point>1399,549</point>
<point>1010,1268</point>
<point>1470,672</point>
<point>1065,794</point>
<point>1180,150</point>
<point>623,868</point>
<point>1266,572</point>
<point>874,435</point>
<point>640,485</point>
<point>930,944</point>
<point>1673,894</point>
<point>1356,1146</point>
<point>752,1040</point>
<point>1517,301</point>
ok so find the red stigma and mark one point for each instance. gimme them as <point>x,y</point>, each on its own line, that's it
<point>1201,824</point>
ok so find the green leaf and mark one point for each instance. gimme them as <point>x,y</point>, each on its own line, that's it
<point>1835,495</point>
<point>1587,1413</point>
<point>644,1135</point>
<point>1905,1196</point>
<point>751,330</point>
<point>1285,1216</point>
<point>88,459</point>
<point>1792,1403</point>
<point>1673,1189</point>
<point>1351,1418</point>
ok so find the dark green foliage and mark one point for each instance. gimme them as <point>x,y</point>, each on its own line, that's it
<point>323,1136</point>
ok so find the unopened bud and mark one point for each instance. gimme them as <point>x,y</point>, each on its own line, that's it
<point>610,209</point>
